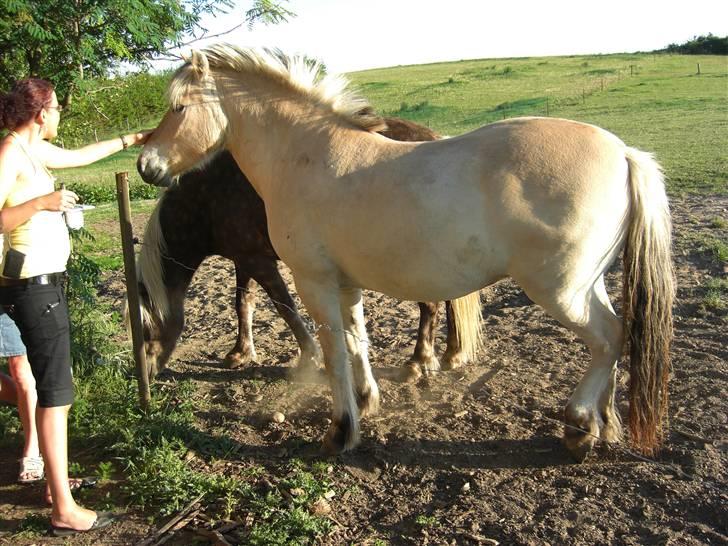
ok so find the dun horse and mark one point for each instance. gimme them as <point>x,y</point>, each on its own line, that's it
<point>215,211</point>
<point>549,202</point>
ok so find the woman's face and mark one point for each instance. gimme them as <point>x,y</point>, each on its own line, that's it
<point>51,118</point>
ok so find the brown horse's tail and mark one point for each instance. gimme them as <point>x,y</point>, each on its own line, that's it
<point>649,290</point>
<point>468,324</point>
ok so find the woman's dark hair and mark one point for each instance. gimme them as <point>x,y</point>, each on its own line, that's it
<point>23,102</point>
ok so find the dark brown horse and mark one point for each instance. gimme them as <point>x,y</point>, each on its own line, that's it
<point>215,211</point>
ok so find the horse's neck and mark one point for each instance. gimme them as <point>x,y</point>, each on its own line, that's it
<point>273,146</point>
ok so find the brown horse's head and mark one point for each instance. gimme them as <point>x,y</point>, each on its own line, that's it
<point>192,129</point>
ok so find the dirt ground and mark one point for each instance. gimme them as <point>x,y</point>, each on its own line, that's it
<point>471,456</point>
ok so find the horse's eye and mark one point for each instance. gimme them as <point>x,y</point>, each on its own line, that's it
<point>178,109</point>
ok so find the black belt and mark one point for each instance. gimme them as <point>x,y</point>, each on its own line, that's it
<point>47,278</point>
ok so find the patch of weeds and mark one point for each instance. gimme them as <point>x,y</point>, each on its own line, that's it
<point>105,471</point>
<point>427,521</point>
<point>290,519</point>
<point>75,469</point>
<point>719,250</point>
<point>716,295</point>
<point>32,526</point>
<point>311,484</point>
<point>9,425</point>
<point>718,223</point>
<point>287,527</point>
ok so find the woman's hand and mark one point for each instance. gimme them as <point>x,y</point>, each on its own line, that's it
<point>61,200</point>
<point>138,139</point>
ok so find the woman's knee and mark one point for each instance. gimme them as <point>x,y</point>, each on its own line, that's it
<point>21,373</point>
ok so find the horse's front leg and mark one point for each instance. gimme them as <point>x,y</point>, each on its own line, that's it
<point>454,356</point>
<point>268,276</point>
<point>244,349</point>
<point>357,342</point>
<point>323,303</point>
<point>424,359</point>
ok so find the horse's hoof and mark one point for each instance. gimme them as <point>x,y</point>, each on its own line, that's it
<point>411,372</point>
<point>341,436</point>
<point>236,359</point>
<point>453,361</point>
<point>310,360</point>
<point>368,402</point>
<point>578,443</point>
<point>579,439</point>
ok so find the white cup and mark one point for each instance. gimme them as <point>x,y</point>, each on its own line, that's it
<point>74,216</point>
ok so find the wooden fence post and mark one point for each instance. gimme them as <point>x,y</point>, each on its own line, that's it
<point>698,69</point>
<point>132,288</point>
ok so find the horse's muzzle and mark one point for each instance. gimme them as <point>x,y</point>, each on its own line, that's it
<point>153,174</point>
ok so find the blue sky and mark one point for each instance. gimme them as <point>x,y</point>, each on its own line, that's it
<point>351,35</point>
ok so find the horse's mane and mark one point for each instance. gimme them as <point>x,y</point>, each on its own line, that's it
<point>149,269</point>
<point>300,74</point>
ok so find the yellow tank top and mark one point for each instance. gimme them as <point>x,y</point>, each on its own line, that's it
<point>44,237</point>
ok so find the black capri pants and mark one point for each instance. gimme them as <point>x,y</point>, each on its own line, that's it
<point>40,312</point>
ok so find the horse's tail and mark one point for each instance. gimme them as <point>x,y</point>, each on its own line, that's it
<point>468,317</point>
<point>649,290</point>
<point>149,270</point>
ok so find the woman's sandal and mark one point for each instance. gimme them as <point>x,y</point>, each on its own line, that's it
<point>103,519</point>
<point>31,469</point>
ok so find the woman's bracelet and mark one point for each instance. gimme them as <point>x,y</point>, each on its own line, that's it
<point>123,142</point>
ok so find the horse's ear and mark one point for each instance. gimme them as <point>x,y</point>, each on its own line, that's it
<point>199,62</point>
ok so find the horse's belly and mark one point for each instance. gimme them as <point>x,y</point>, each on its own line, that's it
<point>425,272</point>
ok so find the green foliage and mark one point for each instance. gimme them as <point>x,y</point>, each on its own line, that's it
<point>153,450</point>
<point>105,470</point>
<point>90,325</point>
<point>66,41</point>
<point>427,521</point>
<point>33,525</point>
<point>701,45</point>
<point>716,294</point>
<point>108,107</point>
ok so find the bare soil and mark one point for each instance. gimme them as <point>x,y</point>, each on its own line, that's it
<point>471,456</point>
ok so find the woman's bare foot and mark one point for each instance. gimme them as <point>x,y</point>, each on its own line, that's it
<point>80,519</point>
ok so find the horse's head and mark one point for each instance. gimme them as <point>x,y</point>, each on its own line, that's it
<point>191,131</point>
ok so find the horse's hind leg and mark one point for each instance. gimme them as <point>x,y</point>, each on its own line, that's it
<point>244,349</point>
<point>268,276</point>
<point>454,356</point>
<point>424,358</point>
<point>357,343</point>
<point>589,414</point>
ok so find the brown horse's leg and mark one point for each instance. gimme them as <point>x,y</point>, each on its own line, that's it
<point>454,356</point>
<point>424,359</point>
<point>244,349</point>
<point>267,275</point>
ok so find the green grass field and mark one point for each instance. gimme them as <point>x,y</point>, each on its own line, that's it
<point>654,102</point>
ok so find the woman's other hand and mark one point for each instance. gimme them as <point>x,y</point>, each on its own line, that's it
<point>61,200</point>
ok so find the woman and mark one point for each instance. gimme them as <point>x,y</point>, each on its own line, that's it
<point>35,253</point>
